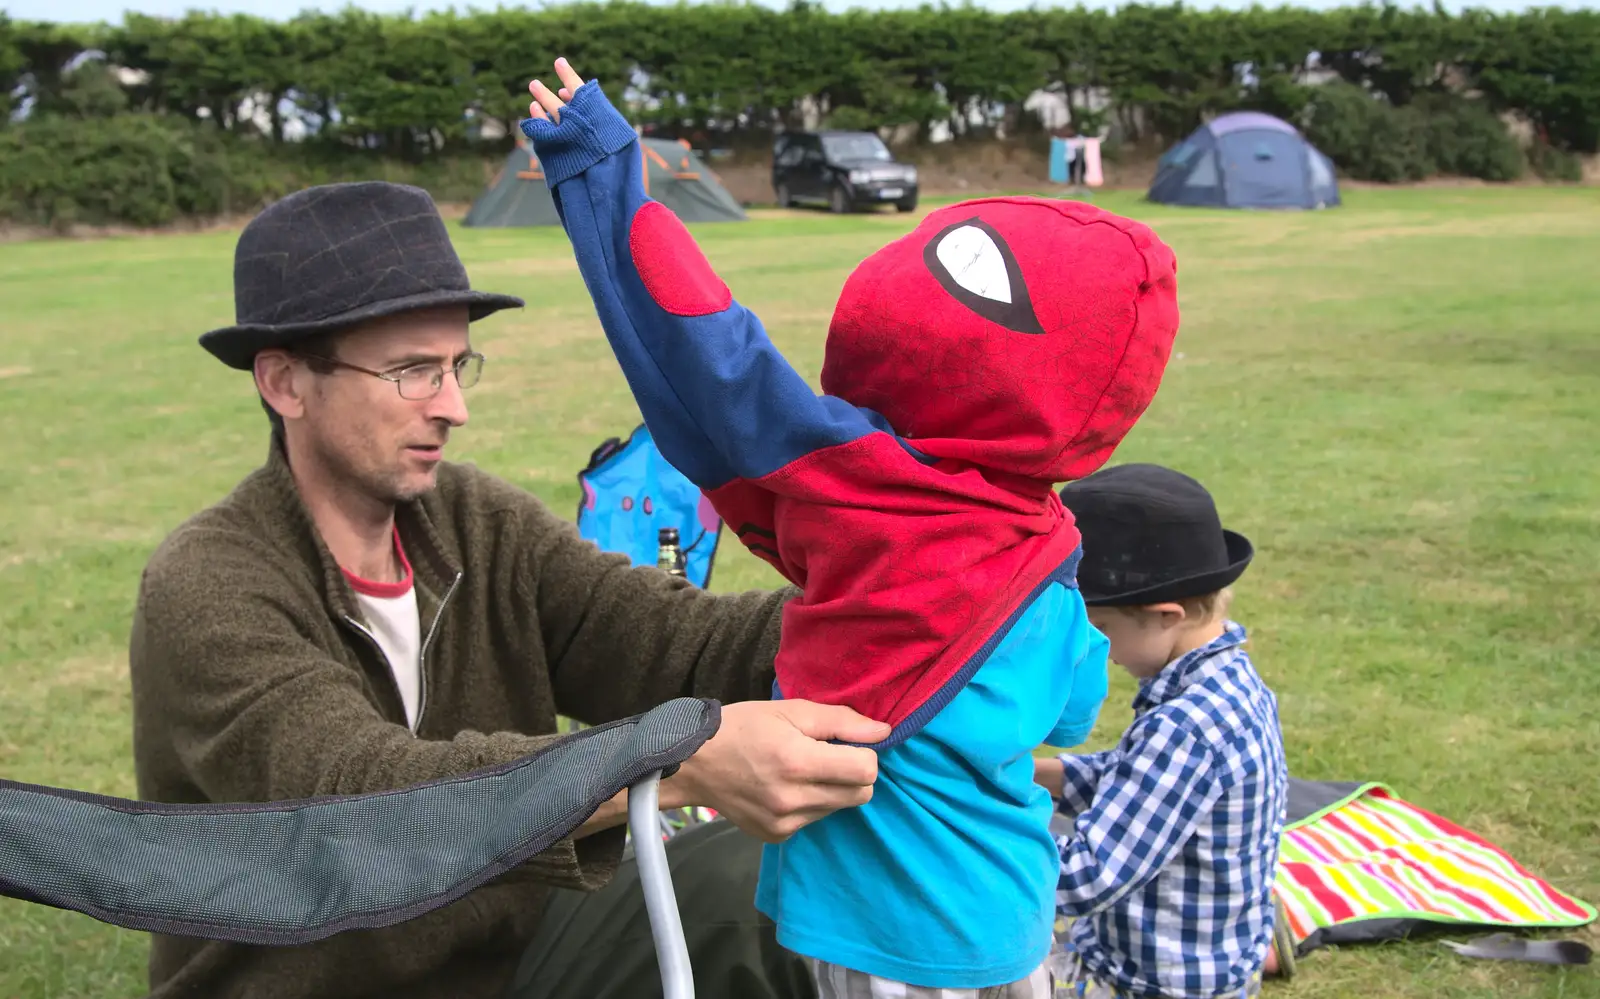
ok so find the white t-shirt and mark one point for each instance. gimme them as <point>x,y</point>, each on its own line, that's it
<point>390,610</point>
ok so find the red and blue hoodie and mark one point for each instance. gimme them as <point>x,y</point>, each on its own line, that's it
<point>1004,346</point>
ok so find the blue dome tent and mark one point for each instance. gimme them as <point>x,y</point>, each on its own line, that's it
<point>1245,160</point>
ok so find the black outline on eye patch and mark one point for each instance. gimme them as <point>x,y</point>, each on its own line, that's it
<point>1016,315</point>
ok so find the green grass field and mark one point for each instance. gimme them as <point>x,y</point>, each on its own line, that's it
<point>1391,399</point>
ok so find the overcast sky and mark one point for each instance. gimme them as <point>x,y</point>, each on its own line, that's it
<point>112,10</point>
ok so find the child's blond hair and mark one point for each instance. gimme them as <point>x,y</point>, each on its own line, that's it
<point>1199,610</point>
<point>1208,607</point>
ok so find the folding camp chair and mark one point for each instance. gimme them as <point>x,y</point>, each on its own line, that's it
<point>666,926</point>
<point>292,872</point>
<point>668,824</point>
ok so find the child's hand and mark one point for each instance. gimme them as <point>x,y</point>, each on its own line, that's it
<point>545,101</point>
<point>1049,772</point>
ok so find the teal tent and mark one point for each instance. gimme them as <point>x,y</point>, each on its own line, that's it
<point>674,176</point>
<point>517,196</point>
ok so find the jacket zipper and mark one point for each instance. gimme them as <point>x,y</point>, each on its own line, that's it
<point>376,647</point>
<point>422,654</point>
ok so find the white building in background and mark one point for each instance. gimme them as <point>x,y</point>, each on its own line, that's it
<point>257,110</point>
<point>485,128</point>
<point>1050,104</point>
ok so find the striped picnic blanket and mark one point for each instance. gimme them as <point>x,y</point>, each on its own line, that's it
<point>1359,863</point>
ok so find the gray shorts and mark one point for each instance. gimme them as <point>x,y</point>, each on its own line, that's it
<point>834,982</point>
<point>1076,983</point>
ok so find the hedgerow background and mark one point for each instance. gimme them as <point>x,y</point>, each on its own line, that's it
<point>150,121</point>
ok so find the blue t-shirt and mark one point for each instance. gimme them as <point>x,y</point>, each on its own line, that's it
<point>947,877</point>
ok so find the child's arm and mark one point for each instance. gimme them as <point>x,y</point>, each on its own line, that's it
<point>1047,773</point>
<point>1146,805</point>
<point>1072,778</point>
<point>1075,777</point>
<point>720,400</point>
<point>1089,686</point>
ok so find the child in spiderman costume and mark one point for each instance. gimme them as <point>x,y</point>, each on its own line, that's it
<point>1004,346</point>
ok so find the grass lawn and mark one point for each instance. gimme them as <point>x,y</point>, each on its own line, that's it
<point>1391,399</point>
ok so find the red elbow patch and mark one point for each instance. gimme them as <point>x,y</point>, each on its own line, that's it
<point>674,271</point>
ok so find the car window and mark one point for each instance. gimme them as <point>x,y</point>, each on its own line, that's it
<point>856,147</point>
<point>792,154</point>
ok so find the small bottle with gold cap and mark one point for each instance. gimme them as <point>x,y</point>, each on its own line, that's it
<point>669,556</point>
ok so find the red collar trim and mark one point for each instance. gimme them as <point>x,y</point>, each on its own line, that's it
<point>385,591</point>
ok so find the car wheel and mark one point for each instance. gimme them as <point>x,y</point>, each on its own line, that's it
<point>839,202</point>
<point>785,199</point>
<point>908,205</point>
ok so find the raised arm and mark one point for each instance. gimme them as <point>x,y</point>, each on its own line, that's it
<point>721,401</point>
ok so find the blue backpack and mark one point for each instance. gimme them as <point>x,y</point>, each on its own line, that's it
<point>630,492</point>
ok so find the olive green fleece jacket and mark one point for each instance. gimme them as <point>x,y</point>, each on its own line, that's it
<point>253,681</point>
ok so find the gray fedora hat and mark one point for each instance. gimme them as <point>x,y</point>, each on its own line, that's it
<point>334,255</point>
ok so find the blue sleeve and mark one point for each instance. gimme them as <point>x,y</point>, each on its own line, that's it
<point>1147,802</point>
<point>1080,775</point>
<point>720,400</point>
<point>1090,684</point>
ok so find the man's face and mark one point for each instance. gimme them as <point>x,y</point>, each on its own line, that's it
<point>360,430</point>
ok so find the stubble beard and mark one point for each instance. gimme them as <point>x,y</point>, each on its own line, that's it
<point>386,485</point>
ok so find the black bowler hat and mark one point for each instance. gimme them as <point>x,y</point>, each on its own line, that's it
<point>1150,535</point>
<point>331,256</point>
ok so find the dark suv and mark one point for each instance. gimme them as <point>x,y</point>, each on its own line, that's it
<point>843,170</point>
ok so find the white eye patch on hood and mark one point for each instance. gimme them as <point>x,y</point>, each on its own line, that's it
<point>973,262</point>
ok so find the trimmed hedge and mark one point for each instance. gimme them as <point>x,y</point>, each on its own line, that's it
<point>149,170</point>
<point>392,95</point>
<point>1371,139</point>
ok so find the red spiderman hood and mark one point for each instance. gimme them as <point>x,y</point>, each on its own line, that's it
<point>1022,335</point>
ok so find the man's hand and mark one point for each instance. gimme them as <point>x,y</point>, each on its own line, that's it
<point>770,770</point>
<point>548,105</point>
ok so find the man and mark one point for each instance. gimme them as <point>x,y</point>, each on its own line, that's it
<point>359,614</point>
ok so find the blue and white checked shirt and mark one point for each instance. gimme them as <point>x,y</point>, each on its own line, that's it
<point>1170,864</point>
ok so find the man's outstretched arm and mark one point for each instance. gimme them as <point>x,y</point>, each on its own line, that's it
<point>620,639</point>
<point>250,709</point>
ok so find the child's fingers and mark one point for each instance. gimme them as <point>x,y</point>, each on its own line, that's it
<point>568,76</point>
<point>535,111</point>
<point>564,94</point>
<point>548,100</point>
